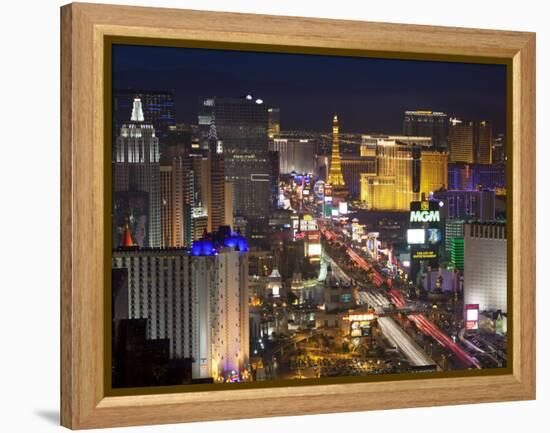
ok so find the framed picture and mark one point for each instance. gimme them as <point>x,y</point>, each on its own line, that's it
<point>267,216</point>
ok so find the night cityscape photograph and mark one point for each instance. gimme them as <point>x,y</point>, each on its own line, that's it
<point>293,216</point>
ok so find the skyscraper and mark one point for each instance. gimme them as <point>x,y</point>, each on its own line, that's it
<point>157,105</point>
<point>484,143</point>
<point>167,225</point>
<point>136,170</point>
<point>159,290</point>
<point>274,122</point>
<point>461,141</point>
<point>426,123</point>
<point>468,204</point>
<point>195,299</point>
<point>470,142</point>
<point>457,252</point>
<point>454,228</point>
<point>241,127</point>
<point>295,154</point>
<point>499,148</point>
<point>433,171</point>
<point>219,277</point>
<point>485,266</point>
<point>353,167</point>
<point>391,187</point>
<point>213,182</point>
<point>405,169</point>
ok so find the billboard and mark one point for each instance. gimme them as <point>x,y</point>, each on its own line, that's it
<point>422,213</point>
<point>425,254</point>
<point>360,328</point>
<point>313,250</point>
<point>425,235</point>
<point>343,208</point>
<point>416,236</point>
<point>433,236</point>
<point>471,317</point>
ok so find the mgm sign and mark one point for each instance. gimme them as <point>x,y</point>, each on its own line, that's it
<point>424,212</point>
<point>425,216</point>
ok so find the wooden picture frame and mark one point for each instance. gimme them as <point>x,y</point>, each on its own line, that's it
<point>84,29</point>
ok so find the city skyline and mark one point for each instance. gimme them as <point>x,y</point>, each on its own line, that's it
<point>368,94</point>
<point>247,251</point>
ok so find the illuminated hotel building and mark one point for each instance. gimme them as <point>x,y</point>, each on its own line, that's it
<point>461,176</point>
<point>228,204</point>
<point>484,144</point>
<point>485,265</point>
<point>499,148</point>
<point>352,168</point>
<point>402,174</point>
<point>197,299</point>
<point>167,206</point>
<point>136,170</point>
<point>219,278</point>
<point>159,290</point>
<point>433,172</point>
<point>295,154</point>
<point>461,141</point>
<point>273,122</point>
<point>177,186</point>
<point>456,249</point>
<point>157,105</point>
<point>392,186</point>
<point>468,204</point>
<point>454,229</point>
<point>426,123</point>
<point>470,142</point>
<point>241,127</point>
<point>209,167</point>
<point>369,142</point>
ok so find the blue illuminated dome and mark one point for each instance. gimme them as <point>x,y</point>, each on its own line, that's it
<point>236,241</point>
<point>203,247</point>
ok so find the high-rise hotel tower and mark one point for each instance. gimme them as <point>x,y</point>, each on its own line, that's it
<point>241,131</point>
<point>136,181</point>
<point>196,299</point>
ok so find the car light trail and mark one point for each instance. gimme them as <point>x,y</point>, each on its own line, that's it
<point>360,261</point>
<point>397,298</point>
<point>399,338</point>
<point>372,298</point>
<point>428,328</point>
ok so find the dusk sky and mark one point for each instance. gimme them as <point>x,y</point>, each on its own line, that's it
<point>369,95</point>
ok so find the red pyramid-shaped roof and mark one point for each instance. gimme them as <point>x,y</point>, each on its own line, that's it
<point>127,240</point>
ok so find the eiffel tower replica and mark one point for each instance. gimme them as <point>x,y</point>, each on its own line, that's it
<point>335,177</point>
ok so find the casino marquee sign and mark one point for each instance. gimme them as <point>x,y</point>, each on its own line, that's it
<point>425,215</point>
<point>425,212</point>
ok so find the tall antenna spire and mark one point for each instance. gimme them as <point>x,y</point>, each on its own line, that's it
<point>137,111</point>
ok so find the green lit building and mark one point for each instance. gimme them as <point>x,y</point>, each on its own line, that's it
<point>457,253</point>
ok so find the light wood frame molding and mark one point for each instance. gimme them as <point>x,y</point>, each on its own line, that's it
<point>83,28</point>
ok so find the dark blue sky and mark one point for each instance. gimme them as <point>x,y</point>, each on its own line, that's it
<point>369,95</point>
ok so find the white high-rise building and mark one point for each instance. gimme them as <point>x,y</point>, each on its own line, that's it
<point>198,299</point>
<point>485,265</point>
<point>136,169</point>
<point>220,294</point>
